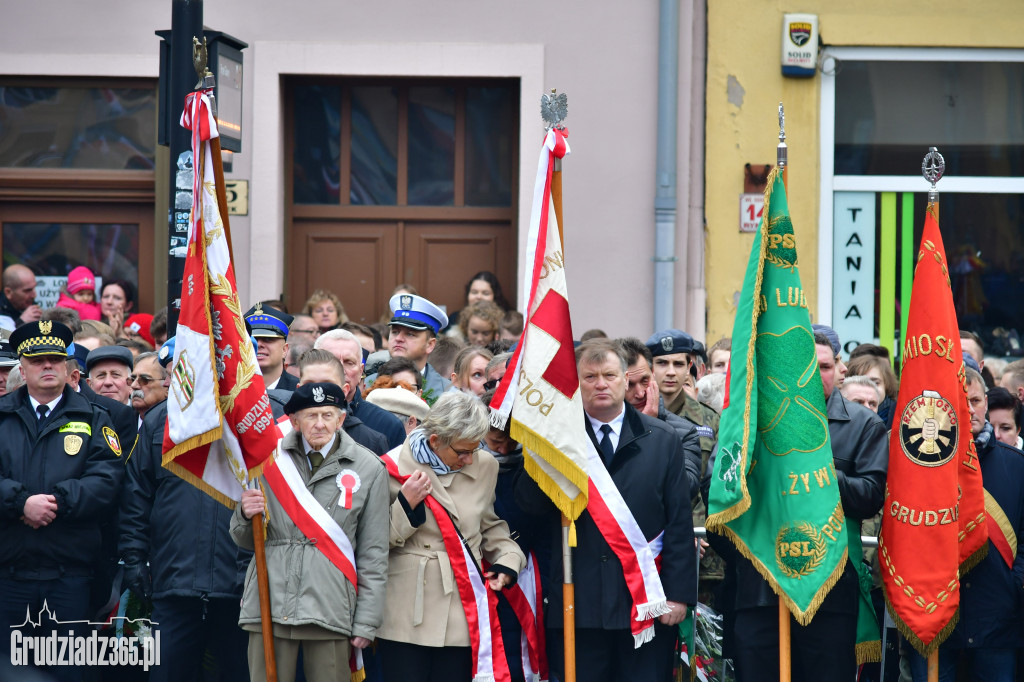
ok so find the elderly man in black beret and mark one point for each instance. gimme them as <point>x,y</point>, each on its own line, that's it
<point>319,610</point>
<point>59,477</point>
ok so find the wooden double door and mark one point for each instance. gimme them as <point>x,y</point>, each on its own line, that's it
<point>399,181</point>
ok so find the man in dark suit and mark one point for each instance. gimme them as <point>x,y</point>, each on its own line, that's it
<point>645,460</point>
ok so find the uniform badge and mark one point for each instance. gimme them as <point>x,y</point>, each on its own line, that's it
<point>405,302</point>
<point>72,444</point>
<point>799,549</point>
<point>112,441</point>
<point>45,327</point>
<point>348,483</point>
<point>259,309</point>
<point>929,430</point>
<point>667,344</point>
<point>318,394</point>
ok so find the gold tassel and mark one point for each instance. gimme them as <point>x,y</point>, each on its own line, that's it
<point>358,675</point>
<point>572,533</point>
<point>869,652</point>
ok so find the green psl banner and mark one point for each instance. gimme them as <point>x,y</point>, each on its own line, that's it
<point>774,492</point>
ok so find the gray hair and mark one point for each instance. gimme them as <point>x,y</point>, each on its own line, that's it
<point>457,416</point>
<point>155,356</point>
<point>15,379</point>
<point>339,334</point>
<point>596,351</point>
<point>711,391</point>
<point>499,360</point>
<point>861,380</point>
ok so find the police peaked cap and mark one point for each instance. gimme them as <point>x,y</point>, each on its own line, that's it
<point>264,321</point>
<point>45,337</point>
<point>416,312</point>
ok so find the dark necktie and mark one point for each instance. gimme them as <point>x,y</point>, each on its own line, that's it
<point>42,410</point>
<point>607,449</point>
<point>315,460</point>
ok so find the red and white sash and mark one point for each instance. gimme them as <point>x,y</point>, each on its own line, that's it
<point>525,598</point>
<point>623,535</point>
<point>308,514</point>
<point>479,603</point>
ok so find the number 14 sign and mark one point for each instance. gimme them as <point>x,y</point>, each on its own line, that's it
<point>751,208</point>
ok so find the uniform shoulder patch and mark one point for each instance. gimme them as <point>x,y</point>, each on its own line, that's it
<point>76,427</point>
<point>112,441</point>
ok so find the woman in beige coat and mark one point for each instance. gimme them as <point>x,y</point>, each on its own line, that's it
<point>425,636</point>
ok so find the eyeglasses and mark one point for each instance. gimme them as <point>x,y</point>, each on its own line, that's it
<point>491,383</point>
<point>462,453</point>
<point>143,379</point>
<point>303,331</point>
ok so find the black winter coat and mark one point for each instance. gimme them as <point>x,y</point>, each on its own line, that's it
<point>650,472</point>
<point>992,593</point>
<point>72,455</point>
<point>182,530</point>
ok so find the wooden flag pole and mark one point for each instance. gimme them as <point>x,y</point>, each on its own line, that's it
<point>263,583</point>
<point>785,636</point>
<point>553,115</point>
<point>206,80</point>
<point>568,589</point>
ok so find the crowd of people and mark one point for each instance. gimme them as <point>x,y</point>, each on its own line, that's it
<point>386,426</point>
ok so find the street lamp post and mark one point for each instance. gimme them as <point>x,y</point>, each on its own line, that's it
<point>178,79</point>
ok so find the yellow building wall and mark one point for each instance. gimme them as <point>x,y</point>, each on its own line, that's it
<point>745,85</point>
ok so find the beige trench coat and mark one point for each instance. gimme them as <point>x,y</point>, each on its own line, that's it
<point>305,587</point>
<point>422,604</point>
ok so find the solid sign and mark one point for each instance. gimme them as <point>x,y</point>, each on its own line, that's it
<point>853,268</point>
<point>238,196</point>
<point>751,208</point>
<point>799,45</point>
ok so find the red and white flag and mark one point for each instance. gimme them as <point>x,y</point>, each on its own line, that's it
<point>540,390</point>
<point>220,428</point>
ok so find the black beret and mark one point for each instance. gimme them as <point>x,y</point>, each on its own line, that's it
<point>321,394</point>
<point>669,342</point>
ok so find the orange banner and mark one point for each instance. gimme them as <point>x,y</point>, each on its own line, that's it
<point>933,521</point>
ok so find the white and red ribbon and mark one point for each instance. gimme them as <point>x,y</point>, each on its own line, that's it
<point>622,533</point>
<point>306,513</point>
<point>479,603</point>
<point>525,598</point>
<point>310,516</point>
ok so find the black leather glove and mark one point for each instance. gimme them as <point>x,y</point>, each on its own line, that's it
<point>136,575</point>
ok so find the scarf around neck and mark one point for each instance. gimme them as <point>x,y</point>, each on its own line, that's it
<point>419,444</point>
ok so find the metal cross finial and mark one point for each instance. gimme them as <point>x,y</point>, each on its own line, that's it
<point>932,168</point>
<point>553,109</point>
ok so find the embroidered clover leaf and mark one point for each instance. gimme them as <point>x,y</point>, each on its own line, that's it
<point>788,392</point>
